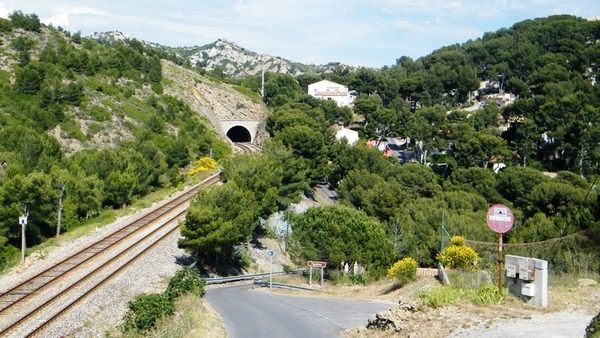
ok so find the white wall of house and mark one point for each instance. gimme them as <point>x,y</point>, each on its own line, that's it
<point>350,135</point>
<point>328,90</point>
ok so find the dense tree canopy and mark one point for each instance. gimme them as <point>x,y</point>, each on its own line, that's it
<point>218,220</point>
<point>337,234</point>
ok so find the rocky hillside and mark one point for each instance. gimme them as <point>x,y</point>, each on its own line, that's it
<point>235,60</point>
<point>83,129</point>
<point>216,101</point>
<point>229,58</point>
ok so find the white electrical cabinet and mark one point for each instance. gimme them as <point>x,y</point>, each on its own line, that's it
<point>528,289</point>
<point>511,271</point>
<point>527,278</point>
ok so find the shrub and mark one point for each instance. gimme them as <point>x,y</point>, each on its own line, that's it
<point>186,280</point>
<point>145,309</point>
<point>8,253</point>
<point>459,256</point>
<point>202,165</point>
<point>457,241</point>
<point>356,279</point>
<point>339,277</point>
<point>157,88</point>
<point>593,330</point>
<point>5,25</point>
<point>100,114</point>
<point>404,270</point>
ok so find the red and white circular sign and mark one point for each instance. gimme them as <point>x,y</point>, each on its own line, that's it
<point>500,218</point>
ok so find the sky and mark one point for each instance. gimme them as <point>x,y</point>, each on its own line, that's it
<point>358,33</point>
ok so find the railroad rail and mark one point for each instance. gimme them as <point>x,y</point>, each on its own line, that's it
<point>21,305</point>
<point>247,147</point>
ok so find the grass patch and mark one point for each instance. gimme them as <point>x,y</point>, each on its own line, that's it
<point>293,279</point>
<point>252,95</point>
<point>569,280</point>
<point>110,104</point>
<point>135,113</point>
<point>443,295</point>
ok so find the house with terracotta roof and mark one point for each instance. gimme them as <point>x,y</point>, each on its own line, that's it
<point>329,90</point>
<point>381,146</point>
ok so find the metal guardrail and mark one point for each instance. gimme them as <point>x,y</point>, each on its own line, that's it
<point>230,279</point>
<point>263,283</point>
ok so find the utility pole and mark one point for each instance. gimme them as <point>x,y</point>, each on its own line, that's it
<point>271,253</point>
<point>262,86</point>
<point>23,223</point>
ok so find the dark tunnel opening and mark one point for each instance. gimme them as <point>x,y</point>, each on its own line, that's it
<point>239,134</point>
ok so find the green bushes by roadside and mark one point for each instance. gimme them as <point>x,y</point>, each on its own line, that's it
<point>485,294</point>
<point>459,256</point>
<point>404,270</point>
<point>593,330</point>
<point>146,309</point>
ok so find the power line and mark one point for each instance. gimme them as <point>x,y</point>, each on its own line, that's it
<point>552,240</point>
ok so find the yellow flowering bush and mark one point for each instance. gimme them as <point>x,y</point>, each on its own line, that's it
<point>458,255</point>
<point>457,240</point>
<point>404,270</point>
<point>202,165</point>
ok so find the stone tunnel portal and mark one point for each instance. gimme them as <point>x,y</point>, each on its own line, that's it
<point>239,134</point>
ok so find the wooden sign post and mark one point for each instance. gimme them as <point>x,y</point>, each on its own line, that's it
<point>313,264</point>
<point>500,219</point>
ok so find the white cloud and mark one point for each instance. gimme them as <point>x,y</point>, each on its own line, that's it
<point>57,20</point>
<point>5,11</point>
<point>365,32</point>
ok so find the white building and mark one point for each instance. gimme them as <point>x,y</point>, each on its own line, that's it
<point>328,90</point>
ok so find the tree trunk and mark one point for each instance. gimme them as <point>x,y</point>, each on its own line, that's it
<point>581,160</point>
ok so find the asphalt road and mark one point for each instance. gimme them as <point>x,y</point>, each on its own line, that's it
<point>262,313</point>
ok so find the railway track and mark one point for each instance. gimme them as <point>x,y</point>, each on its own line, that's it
<point>247,147</point>
<point>27,308</point>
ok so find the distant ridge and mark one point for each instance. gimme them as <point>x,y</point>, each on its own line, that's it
<point>229,57</point>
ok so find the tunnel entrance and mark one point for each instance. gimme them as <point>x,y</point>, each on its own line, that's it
<point>239,134</point>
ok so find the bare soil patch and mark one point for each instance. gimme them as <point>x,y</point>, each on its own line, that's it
<point>573,306</point>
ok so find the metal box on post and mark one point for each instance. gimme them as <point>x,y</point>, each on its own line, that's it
<point>511,270</point>
<point>526,273</point>
<point>528,289</point>
<point>527,278</point>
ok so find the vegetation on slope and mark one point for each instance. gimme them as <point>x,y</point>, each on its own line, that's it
<point>551,126</point>
<point>72,87</point>
<point>84,127</point>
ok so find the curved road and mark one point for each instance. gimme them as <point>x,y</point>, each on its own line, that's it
<point>261,313</point>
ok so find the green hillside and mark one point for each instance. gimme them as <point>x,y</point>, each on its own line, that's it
<point>87,126</point>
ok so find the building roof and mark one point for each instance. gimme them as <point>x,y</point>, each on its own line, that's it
<point>328,83</point>
<point>331,93</point>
